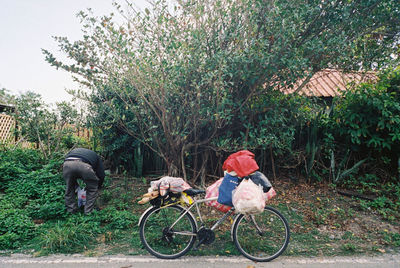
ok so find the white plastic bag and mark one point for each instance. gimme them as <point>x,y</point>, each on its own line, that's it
<point>81,197</point>
<point>248,198</point>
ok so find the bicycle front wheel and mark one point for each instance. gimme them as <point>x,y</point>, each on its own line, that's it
<point>261,237</point>
<point>165,237</point>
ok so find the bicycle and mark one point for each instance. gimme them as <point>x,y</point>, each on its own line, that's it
<point>168,230</point>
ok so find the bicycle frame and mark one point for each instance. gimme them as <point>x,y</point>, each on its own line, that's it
<point>188,210</point>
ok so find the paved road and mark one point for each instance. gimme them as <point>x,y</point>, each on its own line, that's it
<point>75,261</point>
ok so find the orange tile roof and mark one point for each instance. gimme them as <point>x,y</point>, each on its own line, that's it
<point>330,83</point>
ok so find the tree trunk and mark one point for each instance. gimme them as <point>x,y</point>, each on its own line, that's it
<point>272,162</point>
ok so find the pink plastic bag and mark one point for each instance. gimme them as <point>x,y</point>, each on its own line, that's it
<point>270,194</point>
<point>213,191</point>
<point>249,198</point>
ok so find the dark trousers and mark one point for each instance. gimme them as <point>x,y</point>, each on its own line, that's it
<point>73,170</point>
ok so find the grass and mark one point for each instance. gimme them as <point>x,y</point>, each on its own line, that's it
<point>66,237</point>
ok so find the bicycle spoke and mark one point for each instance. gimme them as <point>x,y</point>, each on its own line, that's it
<point>164,241</point>
<point>261,237</point>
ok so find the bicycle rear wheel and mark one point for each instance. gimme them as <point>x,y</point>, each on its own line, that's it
<point>160,239</point>
<point>261,237</point>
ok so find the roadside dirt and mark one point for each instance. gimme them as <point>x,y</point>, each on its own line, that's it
<point>339,221</point>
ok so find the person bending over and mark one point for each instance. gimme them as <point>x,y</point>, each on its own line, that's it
<point>85,164</point>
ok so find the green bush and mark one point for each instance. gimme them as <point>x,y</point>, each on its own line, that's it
<point>70,140</point>
<point>16,163</point>
<point>16,227</point>
<point>10,201</point>
<point>31,190</point>
<point>39,209</point>
<point>9,241</point>
<point>45,190</point>
<point>367,121</point>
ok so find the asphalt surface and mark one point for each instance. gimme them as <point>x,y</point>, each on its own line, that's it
<point>119,261</point>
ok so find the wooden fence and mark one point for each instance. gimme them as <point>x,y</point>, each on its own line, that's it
<point>82,132</point>
<point>7,123</point>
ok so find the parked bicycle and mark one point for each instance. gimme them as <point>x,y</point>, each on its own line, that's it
<point>168,229</point>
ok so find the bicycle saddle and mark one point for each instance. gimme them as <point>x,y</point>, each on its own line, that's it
<point>193,192</point>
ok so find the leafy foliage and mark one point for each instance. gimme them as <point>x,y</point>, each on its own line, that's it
<point>17,163</point>
<point>32,210</point>
<point>122,150</point>
<point>39,124</point>
<point>184,78</point>
<point>366,121</point>
<point>370,116</point>
<point>16,227</point>
<point>5,97</point>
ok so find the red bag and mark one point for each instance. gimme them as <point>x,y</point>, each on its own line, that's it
<point>242,162</point>
<point>213,191</point>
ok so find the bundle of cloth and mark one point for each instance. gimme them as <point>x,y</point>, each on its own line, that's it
<point>163,186</point>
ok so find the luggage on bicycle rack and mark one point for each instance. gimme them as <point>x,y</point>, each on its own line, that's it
<point>236,166</point>
<point>176,185</point>
<point>260,179</point>
<point>228,184</point>
<point>241,162</point>
<point>213,191</point>
<point>251,200</point>
<point>248,198</point>
<point>164,189</point>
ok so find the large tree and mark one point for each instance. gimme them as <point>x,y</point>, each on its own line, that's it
<point>182,74</point>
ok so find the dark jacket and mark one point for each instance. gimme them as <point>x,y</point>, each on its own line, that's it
<point>91,158</point>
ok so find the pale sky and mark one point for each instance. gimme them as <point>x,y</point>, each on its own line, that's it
<point>27,26</point>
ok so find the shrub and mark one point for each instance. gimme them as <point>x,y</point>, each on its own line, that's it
<point>16,227</point>
<point>39,209</point>
<point>367,121</point>
<point>31,190</point>
<point>16,163</point>
<point>44,188</point>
